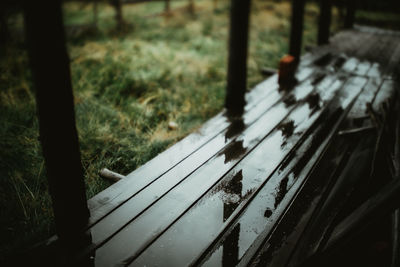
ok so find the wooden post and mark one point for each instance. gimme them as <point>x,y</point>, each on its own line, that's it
<point>325,16</point>
<point>51,75</point>
<point>350,14</point>
<point>237,61</point>
<point>167,8</point>
<point>296,31</point>
<point>95,14</point>
<point>191,7</point>
<point>117,4</point>
<point>215,4</point>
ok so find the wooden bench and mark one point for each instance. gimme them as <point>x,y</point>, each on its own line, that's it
<point>256,185</point>
<point>216,197</point>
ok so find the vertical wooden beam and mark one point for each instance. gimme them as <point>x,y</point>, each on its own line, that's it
<point>350,14</point>
<point>167,8</point>
<point>237,59</point>
<point>95,14</point>
<point>296,31</point>
<point>325,15</point>
<point>58,135</point>
<point>191,7</point>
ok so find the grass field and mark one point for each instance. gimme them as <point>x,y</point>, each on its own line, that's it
<point>128,86</point>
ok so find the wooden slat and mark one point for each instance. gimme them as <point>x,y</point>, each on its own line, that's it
<point>109,199</point>
<point>371,89</point>
<point>214,185</point>
<point>292,236</point>
<point>384,94</point>
<point>118,193</point>
<point>336,199</point>
<point>206,175</point>
<point>287,184</point>
<point>277,249</point>
<point>140,201</point>
<point>304,233</point>
<point>362,68</point>
<point>252,172</point>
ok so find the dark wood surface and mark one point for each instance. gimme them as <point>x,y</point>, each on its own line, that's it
<point>237,58</point>
<point>247,190</point>
<point>296,28</point>
<point>58,135</point>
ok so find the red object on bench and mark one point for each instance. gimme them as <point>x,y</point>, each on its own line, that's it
<point>287,68</point>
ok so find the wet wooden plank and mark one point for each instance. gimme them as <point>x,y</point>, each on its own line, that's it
<point>288,183</point>
<point>393,66</point>
<point>320,222</point>
<point>251,171</point>
<point>183,195</point>
<point>362,68</point>
<point>229,168</point>
<point>140,201</point>
<point>313,239</point>
<point>350,65</point>
<point>386,92</point>
<point>118,193</point>
<point>277,249</point>
<point>201,155</point>
<point>371,90</point>
<point>375,71</point>
<point>296,236</point>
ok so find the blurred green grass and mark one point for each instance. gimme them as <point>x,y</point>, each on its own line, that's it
<point>379,19</point>
<point>128,86</point>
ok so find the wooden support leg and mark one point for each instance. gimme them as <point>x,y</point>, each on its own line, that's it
<point>51,74</point>
<point>237,62</point>
<point>296,31</point>
<point>95,14</point>
<point>167,8</point>
<point>324,24</point>
<point>350,14</point>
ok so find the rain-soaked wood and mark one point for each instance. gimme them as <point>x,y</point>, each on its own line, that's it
<point>117,194</point>
<point>58,135</point>
<point>324,22</point>
<point>160,189</point>
<point>229,185</point>
<point>360,154</point>
<point>237,58</point>
<point>284,238</point>
<point>296,28</point>
<point>288,179</point>
<point>262,97</point>
<point>281,250</point>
